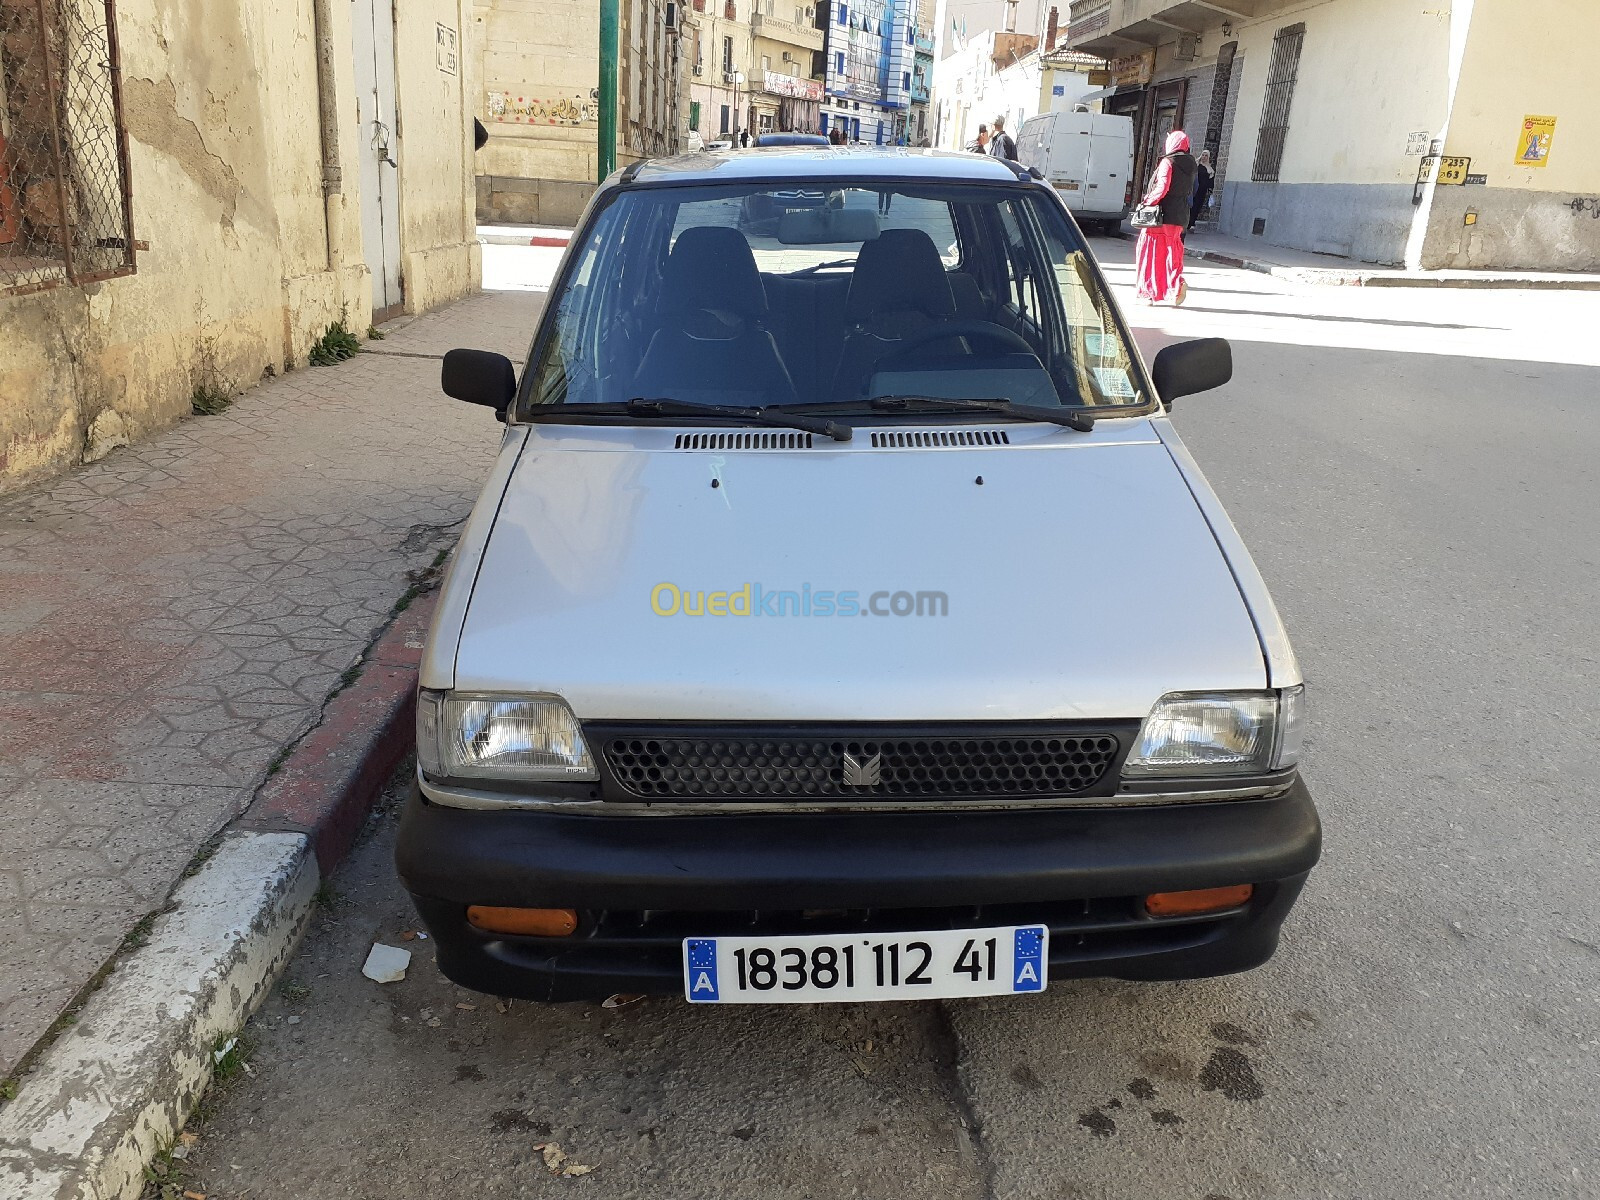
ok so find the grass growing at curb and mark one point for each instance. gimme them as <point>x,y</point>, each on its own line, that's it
<point>208,400</point>
<point>334,346</point>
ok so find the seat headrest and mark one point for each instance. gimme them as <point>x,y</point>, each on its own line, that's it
<point>899,271</point>
<point>711,267</point>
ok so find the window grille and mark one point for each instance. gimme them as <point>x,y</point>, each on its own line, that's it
<point>66,205</point>
<point>1275,109</point>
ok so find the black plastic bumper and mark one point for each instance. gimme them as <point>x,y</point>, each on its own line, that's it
<point>642,883</point>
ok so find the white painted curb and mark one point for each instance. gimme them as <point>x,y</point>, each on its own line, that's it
<point>117,1086</point>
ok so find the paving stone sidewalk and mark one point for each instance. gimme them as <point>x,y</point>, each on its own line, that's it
<point>175,615</point>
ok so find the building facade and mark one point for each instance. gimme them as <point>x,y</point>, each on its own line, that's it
<point>539,71</point>
<point>192,192</point>
<point>1007,74</point>
<point>787,91</point>
<point>718,45</point>
<point>868,63</point>
<point>1356,128</point>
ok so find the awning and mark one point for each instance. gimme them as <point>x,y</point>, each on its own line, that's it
<point>1100,95</point>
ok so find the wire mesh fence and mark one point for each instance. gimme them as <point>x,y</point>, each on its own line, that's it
<point>65,203</point>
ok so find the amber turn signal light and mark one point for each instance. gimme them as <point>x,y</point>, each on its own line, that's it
<point>523,922</point>
<point>1187,904</point>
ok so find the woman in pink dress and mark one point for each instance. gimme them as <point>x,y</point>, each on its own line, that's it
<point>1160,254</point>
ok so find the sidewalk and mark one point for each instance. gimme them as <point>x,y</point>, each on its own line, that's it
<point>1302,266</point>
<point>176,615</point>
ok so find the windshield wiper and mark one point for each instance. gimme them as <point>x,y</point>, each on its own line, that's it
<point>1079,417</point>
<point>647,407</point>
<point>831,265</point>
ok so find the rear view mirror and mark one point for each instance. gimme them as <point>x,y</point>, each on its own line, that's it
<point>826,226</point>
<point>480,377</point>
<point>1190,367</point>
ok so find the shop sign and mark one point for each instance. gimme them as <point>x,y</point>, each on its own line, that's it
<point>1133,69</point>
<point>793,85</point>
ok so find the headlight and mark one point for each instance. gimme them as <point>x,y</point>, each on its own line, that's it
<point>1225,733</point>
<point>500,737</point>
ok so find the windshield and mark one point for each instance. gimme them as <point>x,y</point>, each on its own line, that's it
<point>793,295</point>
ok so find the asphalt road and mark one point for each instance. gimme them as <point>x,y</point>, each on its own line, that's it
<point>1415,473</point>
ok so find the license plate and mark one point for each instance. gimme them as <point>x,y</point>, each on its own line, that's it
<point>819,968</point>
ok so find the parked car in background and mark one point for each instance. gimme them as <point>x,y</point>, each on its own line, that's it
<point>694,142</point>
<point>844,618</point>
<point>791,139</point>
<point>1088,158</point>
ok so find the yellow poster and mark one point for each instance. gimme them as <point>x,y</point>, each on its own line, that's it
<point>1533,141</point>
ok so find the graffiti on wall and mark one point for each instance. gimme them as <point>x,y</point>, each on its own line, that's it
<point>1586,204</point>
<point>574,109</point>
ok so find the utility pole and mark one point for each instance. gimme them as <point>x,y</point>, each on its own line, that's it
<point>609,23</point>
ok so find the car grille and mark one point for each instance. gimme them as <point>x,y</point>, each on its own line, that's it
<point>795,763</point>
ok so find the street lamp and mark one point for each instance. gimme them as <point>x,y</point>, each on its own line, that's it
<point>738,78</point>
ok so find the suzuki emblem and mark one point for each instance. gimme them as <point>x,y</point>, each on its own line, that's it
<point>863,772</point>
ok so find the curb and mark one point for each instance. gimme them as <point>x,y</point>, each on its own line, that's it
<point>1335,277</point>
<point>517,239</point>
<point>116,1088</point>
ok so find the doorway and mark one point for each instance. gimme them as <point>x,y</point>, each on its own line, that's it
<point>377,115</point>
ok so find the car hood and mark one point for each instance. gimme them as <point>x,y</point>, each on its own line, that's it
<point>1081,579</point>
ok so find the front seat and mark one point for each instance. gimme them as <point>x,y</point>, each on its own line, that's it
<point>899,288</point>
<point>712,345</point>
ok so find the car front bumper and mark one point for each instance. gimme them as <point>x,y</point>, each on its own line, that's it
<point>643,883</point>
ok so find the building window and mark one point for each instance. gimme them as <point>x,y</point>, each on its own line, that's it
<point>727,56</point>
<point>724,118</point>
<point>66,212</point>
<point>905,80</point>
<point>1275,108</point>
<point>844,14</point>
<point>838,62</point>
<point>766,63</point>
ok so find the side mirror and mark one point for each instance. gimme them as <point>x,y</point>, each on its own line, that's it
<point>1190,367</point>
<point>480,377</point>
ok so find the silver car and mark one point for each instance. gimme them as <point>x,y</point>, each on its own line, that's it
<point>844,618</point>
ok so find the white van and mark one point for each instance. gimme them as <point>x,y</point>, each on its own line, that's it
<point>1088,157</point>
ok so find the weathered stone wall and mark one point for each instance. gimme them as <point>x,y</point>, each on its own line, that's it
<point>242,271</point>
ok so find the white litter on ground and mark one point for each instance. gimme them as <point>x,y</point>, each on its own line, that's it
<point>386,964</point>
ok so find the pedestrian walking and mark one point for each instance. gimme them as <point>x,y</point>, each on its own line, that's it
<point>1205,179</point>
<point>744,139</point>
<point>1001,143</point>
<point>1162,216</point>
<point>980,144</point>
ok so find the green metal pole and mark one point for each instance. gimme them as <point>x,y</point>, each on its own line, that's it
<point>609,23</point>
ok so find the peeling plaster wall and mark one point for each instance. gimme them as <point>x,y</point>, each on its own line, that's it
<point>220,101</point>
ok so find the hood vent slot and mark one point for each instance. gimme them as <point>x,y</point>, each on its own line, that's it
<point>916,439</point>
<point>742,441</point>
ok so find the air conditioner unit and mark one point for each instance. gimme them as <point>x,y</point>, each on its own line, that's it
<point>1187,49</point>
<point>697,69</point>
<point>730,77</point>
<point>787,57</point>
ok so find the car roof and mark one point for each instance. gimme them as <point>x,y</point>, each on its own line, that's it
<point>820,163</point>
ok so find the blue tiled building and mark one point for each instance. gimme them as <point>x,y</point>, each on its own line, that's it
<point>870,60</point>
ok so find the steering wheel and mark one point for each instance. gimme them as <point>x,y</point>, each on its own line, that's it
<point>986,331</point>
